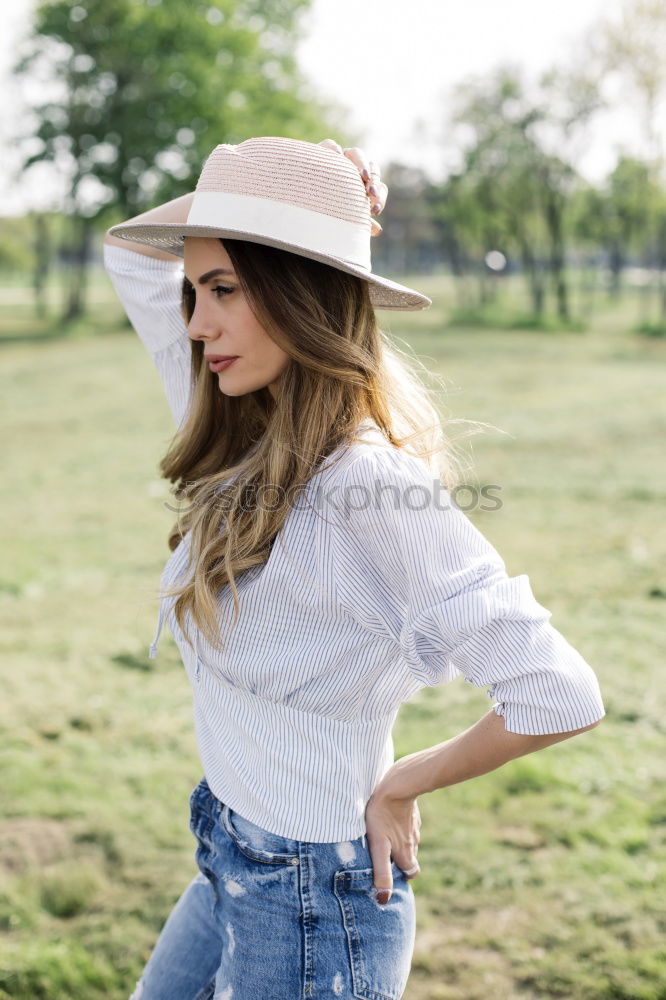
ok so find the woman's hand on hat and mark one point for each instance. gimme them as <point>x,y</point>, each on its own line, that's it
<point>376,190</point>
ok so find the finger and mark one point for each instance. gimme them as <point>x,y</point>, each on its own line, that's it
<point>378,194</point>
<point>375,189</point>
<point>382,876</point>
<point>369,171</point>
<point>413,871</point>
<point>370,175</point>
<point>408,862</point>
<point>374,171</point>
<point>360,161</point>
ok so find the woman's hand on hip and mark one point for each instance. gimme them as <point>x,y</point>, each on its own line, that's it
<point>392,827</point>
<point>376,190</point>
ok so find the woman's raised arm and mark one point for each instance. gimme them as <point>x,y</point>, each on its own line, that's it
<point>149,283</point>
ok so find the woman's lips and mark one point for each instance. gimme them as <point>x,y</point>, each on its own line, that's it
<point>219,366</point>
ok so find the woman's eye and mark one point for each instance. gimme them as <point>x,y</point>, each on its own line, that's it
<point>221,291</point>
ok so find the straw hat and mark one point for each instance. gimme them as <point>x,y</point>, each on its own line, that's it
<point>297,196</point>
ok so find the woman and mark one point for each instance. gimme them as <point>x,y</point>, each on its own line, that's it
<point>306,605</point>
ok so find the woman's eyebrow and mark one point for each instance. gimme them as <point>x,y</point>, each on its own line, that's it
<point>211,274</point>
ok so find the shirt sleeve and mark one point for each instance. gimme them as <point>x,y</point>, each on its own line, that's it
<point>150,289</point>
<point>407,563</point>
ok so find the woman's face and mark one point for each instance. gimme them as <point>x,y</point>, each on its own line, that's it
<point>223,320</point>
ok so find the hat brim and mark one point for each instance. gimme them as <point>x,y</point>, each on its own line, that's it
<point>169,236</point>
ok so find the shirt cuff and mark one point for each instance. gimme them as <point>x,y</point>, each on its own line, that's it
<point>555,697</point>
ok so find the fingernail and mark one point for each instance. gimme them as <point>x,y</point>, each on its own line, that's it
<point>365,175</point>
<point>376,208</point>
<point>382,895</point>
<point>372,190</point>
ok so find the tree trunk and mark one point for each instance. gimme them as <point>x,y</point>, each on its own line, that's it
<point>42,247</point>
<point>555,231</point>
<point>534,278</point>
<point>661,269</point>
<point>615,265</point>
<point>645,289</point>
<point>82,230</point>
<point>588,284</point>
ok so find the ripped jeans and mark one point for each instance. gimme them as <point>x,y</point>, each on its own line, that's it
<point>270,918</point>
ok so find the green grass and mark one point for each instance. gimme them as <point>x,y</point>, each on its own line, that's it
<point>542,879</point>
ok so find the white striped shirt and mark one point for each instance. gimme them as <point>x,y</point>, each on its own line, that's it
<point>376,586</point>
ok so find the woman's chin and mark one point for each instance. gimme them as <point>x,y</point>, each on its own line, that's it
<point>237,388</point>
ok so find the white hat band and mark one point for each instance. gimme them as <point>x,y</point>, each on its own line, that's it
<point>278,219</point>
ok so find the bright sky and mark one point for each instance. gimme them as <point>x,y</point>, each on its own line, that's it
<point>392,63</point>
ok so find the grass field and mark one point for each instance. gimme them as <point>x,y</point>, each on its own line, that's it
<point>542,879</point>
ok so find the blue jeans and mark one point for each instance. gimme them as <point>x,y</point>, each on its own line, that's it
<point>270,918</point>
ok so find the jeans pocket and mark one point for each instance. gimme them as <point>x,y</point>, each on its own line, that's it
<point>380,937</point>
<point>258,844</point>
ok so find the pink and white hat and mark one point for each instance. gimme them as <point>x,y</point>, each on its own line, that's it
<point>286,193</point>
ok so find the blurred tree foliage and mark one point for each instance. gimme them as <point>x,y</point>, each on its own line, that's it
<point>517,189</point>
<point>138,92</point>
<point>615,216</point>
<point>633,46</point>
<point>513,190</point>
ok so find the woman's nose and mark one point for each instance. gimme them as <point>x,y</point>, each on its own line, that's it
<point>202,328</point>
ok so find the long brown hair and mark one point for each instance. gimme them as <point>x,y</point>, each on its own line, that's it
<point>342,369</point>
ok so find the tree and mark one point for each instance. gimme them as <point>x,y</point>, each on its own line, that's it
<point>615,217</point>
<point>138,92</point>
<point>515,186</point>
<point>633,47</point>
